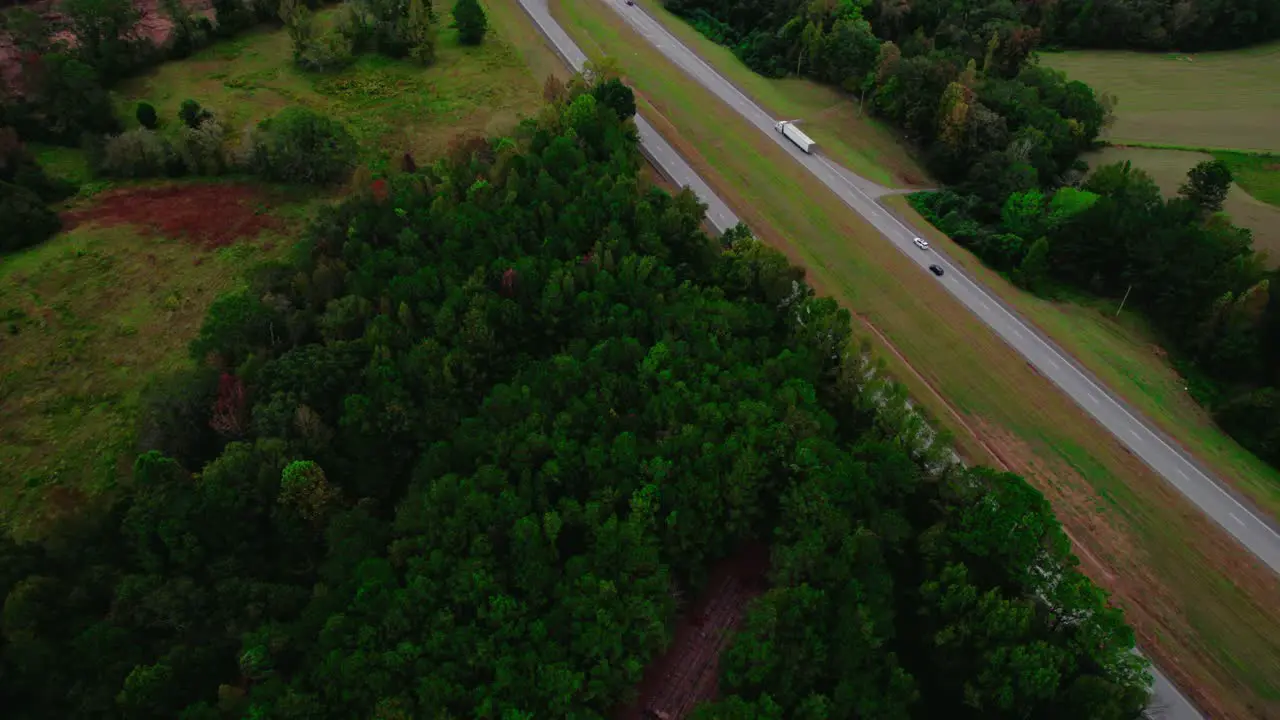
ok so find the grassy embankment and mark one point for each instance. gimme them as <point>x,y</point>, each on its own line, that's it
<point>90,317</point>
<point>1202,608</point>
<point>856,140</point>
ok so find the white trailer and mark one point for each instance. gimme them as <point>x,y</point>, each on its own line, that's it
<point>795,135</point>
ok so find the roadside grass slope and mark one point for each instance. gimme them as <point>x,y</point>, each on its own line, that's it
<point>1203,609</point>
<point>856,140</point>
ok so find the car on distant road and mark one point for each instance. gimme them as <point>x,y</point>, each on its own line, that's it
<point>922,244</point>
<point>631,2</point>
<point>935,270</point>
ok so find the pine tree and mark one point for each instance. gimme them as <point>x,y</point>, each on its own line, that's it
<point>469,19</point>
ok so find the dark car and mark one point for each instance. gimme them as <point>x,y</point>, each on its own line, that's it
<point>631,2</point>
<point>935,270</point>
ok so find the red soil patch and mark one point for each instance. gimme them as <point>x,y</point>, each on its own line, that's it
<point>688,673</point>
<point>209,215</point>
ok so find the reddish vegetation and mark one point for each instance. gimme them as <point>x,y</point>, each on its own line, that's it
<point>689,671</point>
<point>210,215</point>
<point>231,409</point>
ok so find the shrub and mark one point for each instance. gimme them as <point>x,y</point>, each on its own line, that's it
<point>174,416</point>
<point>139,153</point>
<point>301,145</point>
<point>203,149</point>
<point>146,115</point>
<point>17,166</point>
<point>27,220</point>
<point>232,16</point>
<point>192,114</point>
<point>331,51</point>
<point>470,20</point>
<point>615,94</point>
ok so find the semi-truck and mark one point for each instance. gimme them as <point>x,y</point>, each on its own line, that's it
<point>795,135</point>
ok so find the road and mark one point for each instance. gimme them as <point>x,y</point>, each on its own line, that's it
<point>1158,451</point>
<point>857,192</point>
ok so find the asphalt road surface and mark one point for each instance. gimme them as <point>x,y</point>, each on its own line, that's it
<point>1156,450</point>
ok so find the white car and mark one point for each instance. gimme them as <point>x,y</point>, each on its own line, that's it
<point>922,244</point>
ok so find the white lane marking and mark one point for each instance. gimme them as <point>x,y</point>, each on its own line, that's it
<point>1233,517</point>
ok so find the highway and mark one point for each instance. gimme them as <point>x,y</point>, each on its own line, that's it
<point>1158,451</point>
<point>1155,449</point>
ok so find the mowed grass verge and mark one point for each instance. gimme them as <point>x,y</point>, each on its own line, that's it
<point>391,106</point>
<point>1219,99</point>
<point>1203,608</point>
<point>858,141</point>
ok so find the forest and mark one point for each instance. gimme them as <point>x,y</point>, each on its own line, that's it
<point>465,452</point>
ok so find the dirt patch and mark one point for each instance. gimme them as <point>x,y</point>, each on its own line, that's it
<point>207,214</point>
<point>688,673</point>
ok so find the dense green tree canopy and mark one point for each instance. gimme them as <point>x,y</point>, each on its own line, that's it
<point>474,440</point>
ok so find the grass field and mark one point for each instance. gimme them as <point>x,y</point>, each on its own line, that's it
<point>859,142</point>
<point>1213,100</point>
<point>1169,169</point>
<point>1259,175</point>
<point>1203,609</point>
<point>88,319</point>
<point>391,106</point>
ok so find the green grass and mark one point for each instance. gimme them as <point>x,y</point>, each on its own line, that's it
<point>1169,169</point>
<point>63,163</point>
<point>859,142</point>
<point>1220,100</point>
<point>1169,558</point>
<point>391,106</point>
<point>86,320</point>
<point>1259,175</point>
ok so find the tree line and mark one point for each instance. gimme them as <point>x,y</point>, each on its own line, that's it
<point>1179,261</point>
<point>464,452</point>
<point>986,118</point>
